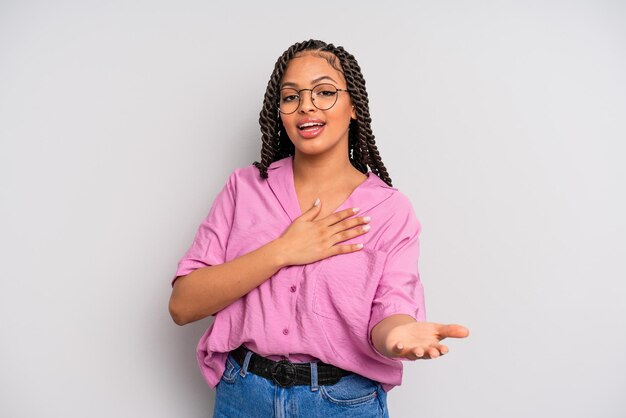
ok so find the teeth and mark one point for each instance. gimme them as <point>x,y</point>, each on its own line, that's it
<point>308,124</point>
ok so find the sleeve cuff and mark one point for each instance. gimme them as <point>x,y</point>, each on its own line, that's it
<point>186,267</point>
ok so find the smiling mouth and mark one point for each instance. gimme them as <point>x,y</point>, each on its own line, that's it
<point>310,126</point>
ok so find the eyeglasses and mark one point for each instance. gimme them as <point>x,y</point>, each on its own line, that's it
<point>323,97</point>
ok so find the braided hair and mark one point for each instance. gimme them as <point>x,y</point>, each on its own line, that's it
<point>361,144</point>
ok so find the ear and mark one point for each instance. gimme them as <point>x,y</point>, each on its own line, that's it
<point>353,114</point>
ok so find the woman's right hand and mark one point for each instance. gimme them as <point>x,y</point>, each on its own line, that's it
<point>308,239</point>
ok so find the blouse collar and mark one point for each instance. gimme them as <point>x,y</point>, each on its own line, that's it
<point>367,195</point>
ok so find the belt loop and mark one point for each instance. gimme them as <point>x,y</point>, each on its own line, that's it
<point>246,363</point>
<point>314,386</point>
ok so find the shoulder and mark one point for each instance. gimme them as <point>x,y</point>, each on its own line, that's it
<point>399,209</point>
<point>395,198</point>
<point>246,181</point>
<point>242,176</point>
<point>251,174</point>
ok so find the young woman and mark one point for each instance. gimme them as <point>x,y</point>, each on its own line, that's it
<point>308,260</point>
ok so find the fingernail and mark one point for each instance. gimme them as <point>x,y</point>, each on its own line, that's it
<point>366,227</point>
<point>317,202</point>
<point>355,210</point>
<point>367,218</point>
<point>359,245</point>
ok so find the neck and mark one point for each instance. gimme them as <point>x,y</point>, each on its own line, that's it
<point>321,171</point>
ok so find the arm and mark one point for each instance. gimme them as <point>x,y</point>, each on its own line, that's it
<point>397,322</point>
<point>207,290</point>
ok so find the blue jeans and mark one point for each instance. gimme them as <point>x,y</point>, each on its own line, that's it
<point>243,394</point>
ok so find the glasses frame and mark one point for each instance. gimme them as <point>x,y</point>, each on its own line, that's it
<point>312,99</point>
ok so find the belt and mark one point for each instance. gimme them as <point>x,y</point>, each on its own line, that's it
<point>285,374</point>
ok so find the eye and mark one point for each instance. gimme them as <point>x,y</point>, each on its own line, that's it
<point>326,93</point>
<point>288,95</point>
<point>289,98</point>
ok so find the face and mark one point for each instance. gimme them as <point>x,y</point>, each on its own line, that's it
<point>315,131</point>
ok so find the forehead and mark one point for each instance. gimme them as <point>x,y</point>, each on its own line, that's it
<point>308,66</point>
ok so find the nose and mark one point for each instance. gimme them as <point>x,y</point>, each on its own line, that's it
<point>306,102</point>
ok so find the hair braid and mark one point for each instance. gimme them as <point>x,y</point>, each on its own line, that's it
<point>275,142</point>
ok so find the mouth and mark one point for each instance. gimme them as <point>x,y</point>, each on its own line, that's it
<point>310,126</point>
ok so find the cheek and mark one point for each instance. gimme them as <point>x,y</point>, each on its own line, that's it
<point>287,122</point>
<point>289,126</point>
<point>343,116</point>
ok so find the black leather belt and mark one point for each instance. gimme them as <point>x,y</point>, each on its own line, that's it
<point>285,374</point>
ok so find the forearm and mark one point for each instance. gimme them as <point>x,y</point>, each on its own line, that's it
<point>207,290</point>
<point>382,330</point>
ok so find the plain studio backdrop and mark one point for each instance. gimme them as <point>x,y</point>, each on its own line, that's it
<point>502,121</point>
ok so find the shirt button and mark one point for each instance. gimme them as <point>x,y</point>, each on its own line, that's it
<point>293,289</point>
<point>285,331</point>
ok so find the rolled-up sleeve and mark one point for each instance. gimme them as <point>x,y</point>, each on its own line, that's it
<point>209,245</point>
<point>400,289</point>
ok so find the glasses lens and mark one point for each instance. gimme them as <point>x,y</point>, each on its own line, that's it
<point>324,96</point>
<point>289,100</point>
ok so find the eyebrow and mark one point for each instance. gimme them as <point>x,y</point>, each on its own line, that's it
<point>313,82</point>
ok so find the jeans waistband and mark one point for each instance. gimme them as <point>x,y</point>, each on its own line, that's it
<point>285,373</point>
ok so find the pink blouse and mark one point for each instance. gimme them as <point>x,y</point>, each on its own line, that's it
<point>320,311</point>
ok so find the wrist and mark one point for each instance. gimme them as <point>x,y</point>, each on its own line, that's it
<point>380,334</point>
<point>278,253</point>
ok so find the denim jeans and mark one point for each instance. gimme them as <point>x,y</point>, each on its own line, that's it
<point>243,394</point>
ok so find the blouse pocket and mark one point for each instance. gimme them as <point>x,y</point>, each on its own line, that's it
<point>345,287</point>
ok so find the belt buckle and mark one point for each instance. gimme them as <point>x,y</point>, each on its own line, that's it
<point>284,373</point>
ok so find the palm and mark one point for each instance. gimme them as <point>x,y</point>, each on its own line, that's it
<point>417,340</point>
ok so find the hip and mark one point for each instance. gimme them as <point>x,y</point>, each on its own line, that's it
<point>242,393</point>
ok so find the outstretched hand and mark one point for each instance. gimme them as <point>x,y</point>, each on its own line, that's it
<point>421,340</point>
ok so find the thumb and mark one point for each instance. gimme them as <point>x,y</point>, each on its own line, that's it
<point>313,211</point>
<point>453,331</point>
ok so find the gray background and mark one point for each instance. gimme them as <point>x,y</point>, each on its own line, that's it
<point>502,121</point>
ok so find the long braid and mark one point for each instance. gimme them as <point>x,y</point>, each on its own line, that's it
<point>362,147</point>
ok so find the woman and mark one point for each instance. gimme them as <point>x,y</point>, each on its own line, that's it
<point>308,260</point>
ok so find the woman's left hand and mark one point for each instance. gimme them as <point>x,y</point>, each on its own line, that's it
<point>421,340</point>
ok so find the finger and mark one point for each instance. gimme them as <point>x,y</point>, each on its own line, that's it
<point>452,331</point>
<point>400,351</point>
<point>442,349</point>
<point>349,234</point>
<point>345,249</point>
<point>349,224</point>
<point>313,211</point>
<point>419,352</point>
<point>335,217</point>
<point>433,352</point>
